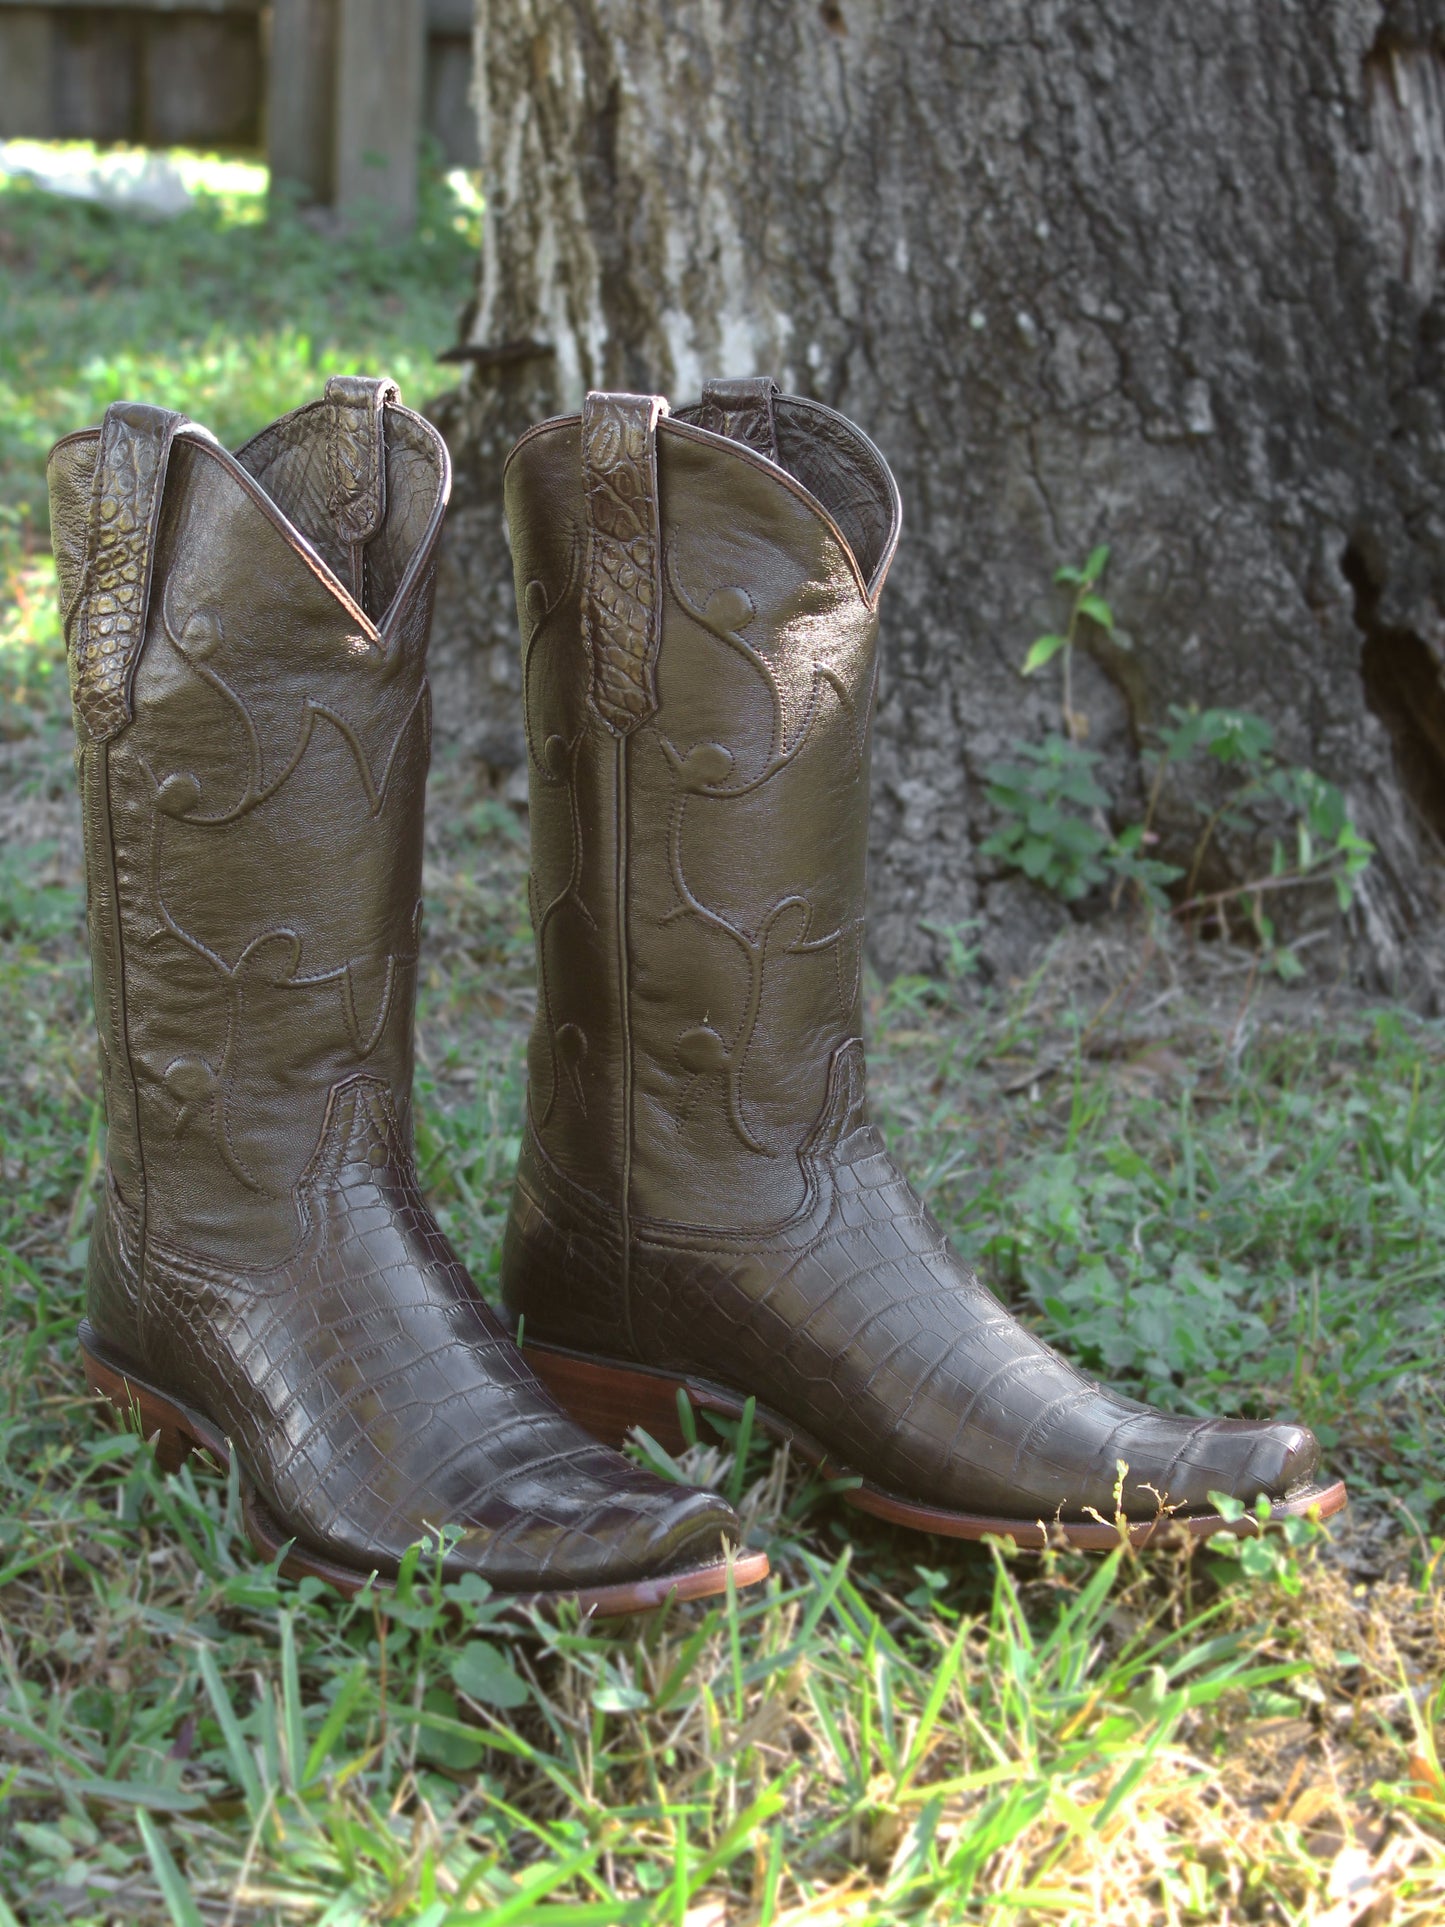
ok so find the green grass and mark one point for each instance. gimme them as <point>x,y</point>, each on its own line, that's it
<point>220,313</point>
<point>1225,1203</point>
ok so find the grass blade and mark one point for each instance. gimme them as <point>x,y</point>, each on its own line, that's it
<point>175,1890</point>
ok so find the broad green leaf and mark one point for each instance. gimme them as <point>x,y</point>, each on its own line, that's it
<point>1033,859</point>
<point>1043,650</point>
<point>1097,610</point>
<point>486,1675</point>
<point>442,1739</point>
<point>1229,1508</point>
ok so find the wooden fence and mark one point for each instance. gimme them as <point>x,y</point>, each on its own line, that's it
<point>338,92</point>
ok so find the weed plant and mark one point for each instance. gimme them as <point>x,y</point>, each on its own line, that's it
<point>1229,1202</point>
<point>1054,817</point>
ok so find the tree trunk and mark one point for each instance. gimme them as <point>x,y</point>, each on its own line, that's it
<point>1165,277</point>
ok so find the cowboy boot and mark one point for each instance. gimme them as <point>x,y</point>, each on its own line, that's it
<point>247,641</point>
<point>702,1202</point>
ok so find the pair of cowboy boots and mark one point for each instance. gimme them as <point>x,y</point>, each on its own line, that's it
<point>702,1202</point>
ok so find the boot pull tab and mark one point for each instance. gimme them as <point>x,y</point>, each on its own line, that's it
<point>743,411</point>
<point>622,599</point>
<point>356,454</point>
<point>109,618</point>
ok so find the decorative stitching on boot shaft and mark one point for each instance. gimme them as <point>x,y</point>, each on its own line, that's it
<point>372,975</point>
<point>711,770</point>
<point>764,676</point>
<point>554,763</point>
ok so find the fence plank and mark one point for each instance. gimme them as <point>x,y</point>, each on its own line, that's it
<point>381,50</point>
<point>301,97</point>
<point>202,81</point>
<point>451,118</point>
<point>132,6</point>
<point>346,84</point>
<point>25,83</point>
<point>95,78</point>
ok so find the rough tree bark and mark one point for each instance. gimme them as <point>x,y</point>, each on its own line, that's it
<point>1162,276</point>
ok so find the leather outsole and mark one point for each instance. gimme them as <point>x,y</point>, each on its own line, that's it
<point>174,1431</point>
<point>610,1397</point>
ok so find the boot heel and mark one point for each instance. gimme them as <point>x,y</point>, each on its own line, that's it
<point>135,1407</point>
<point>608,1399</point>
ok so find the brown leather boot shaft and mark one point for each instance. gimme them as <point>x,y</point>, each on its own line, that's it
<point>247,639</point>
<point>702,1194</point>
<point>699,819</point>
<point>264,742</point>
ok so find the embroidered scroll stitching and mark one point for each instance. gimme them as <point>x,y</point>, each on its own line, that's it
<point>369,984</point>
<point>622,603</point>
<point>711,770</point>
<point>555,765</point>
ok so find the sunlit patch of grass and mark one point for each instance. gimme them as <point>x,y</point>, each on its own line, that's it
<point>228,316</point>
<point>240,181</point>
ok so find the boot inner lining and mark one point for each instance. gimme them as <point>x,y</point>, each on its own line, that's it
<point>289,461</point>
<point>845,475</point>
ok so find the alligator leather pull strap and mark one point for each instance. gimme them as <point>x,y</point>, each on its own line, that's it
<point>356,454</point>
<point>623,593</point>
<point>109,618</point>
<point>743,411</point>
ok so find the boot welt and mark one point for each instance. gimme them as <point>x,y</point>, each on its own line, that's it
<point>609,1397</point>
<point>176,1430</point>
